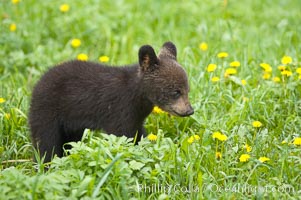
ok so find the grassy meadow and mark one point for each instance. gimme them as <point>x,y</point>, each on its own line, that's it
<point>243,60</point>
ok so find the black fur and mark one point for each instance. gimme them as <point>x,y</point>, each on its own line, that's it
<point>76,95</point>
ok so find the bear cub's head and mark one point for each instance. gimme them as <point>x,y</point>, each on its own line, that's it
<point>164,81</point>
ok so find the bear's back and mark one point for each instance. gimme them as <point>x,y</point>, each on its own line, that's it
<point>82,75</point>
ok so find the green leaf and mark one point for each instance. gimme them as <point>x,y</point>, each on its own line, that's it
<point>136,165</point>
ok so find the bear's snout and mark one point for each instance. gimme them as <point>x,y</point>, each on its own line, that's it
<point>189,111</point>
<point>181,108</point>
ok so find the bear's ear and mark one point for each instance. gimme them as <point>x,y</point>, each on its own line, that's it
<point>168,50</point>
<point>147,58</point>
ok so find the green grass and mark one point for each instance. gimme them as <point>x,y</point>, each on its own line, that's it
<point>107,167</point>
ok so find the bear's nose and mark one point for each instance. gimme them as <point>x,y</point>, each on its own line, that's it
<point>190,111</point>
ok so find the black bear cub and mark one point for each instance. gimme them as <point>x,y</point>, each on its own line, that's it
<point>76,95</point>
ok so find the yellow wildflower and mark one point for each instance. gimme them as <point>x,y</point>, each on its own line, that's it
<point>222,55</point>
<point>284,142</point>
<point>297,141</point>
<point>2,100</point>
<point>15,1</point>
<point>299,77</point>
<point>219,136</point>
<point>286,73</point>
<point>298,70</point>
<point>235,64</point>
<point>230,71</point>
<point>64,8</point>
<point>152,137</point>
<point>104,59</point>
<point>215,79</point>
<point>223,138</point>
<point>218,155</point>
<point>276,79</point>
<point>244,157</point>
<point>263,159</point>
<point>248,148</point>
<point>193,138</point>
<point>157,110</point>
<point>203,46</point>
<point>266,67</point>
<point>82,57</point>
<point>266,76</point>
<point>289,73</point>
<point>211,67</point>
<point>216,135</point>
<point>75,43</point>
<point>13,27</point>
<point>281,67</point>
<point>256,124</point>
<point>196,137</point>
<point>243,82</point>
<point>286,60</point>
<point>190,140</point>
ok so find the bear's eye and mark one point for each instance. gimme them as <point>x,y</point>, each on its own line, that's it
<point>176,94</point>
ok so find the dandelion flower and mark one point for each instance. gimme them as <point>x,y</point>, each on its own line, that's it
<point>266,67</point>
<point>263,65</point>
<point>157,110</point>
<point>2,100</point>
<point>13,27</point>
<point>289,73</point>
<point>222,55</point>
<point>193,138</point>
<point>286,60</point>
<point>104,59</point>
<point>243,82</point>
<point>297,141</point>
<point>235,64</point>
<point>64,8</point>
<point>216,134</point>
<point>286,73</point>
<point>215,79</point>
<point>298,70</point>
<point>219,136</point>
<point>281,67</point>
<point>276,79</point>
<point>75,43</point>
<point>196,137</point>
<point>203,46</point>
<point>244,158</point>
<point>284,142</point>
<point>82,57</point>
<point>248,148</point>
<point>190,140</point>
<point>266,76</point>
<point>152,137</point>
<point>256,124</point>
<point>211,67</point>
<point>230,71</point>
<point>218,155</point>
<point>263,159</point>
<point>223,138</point>
<point>15,1</point>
